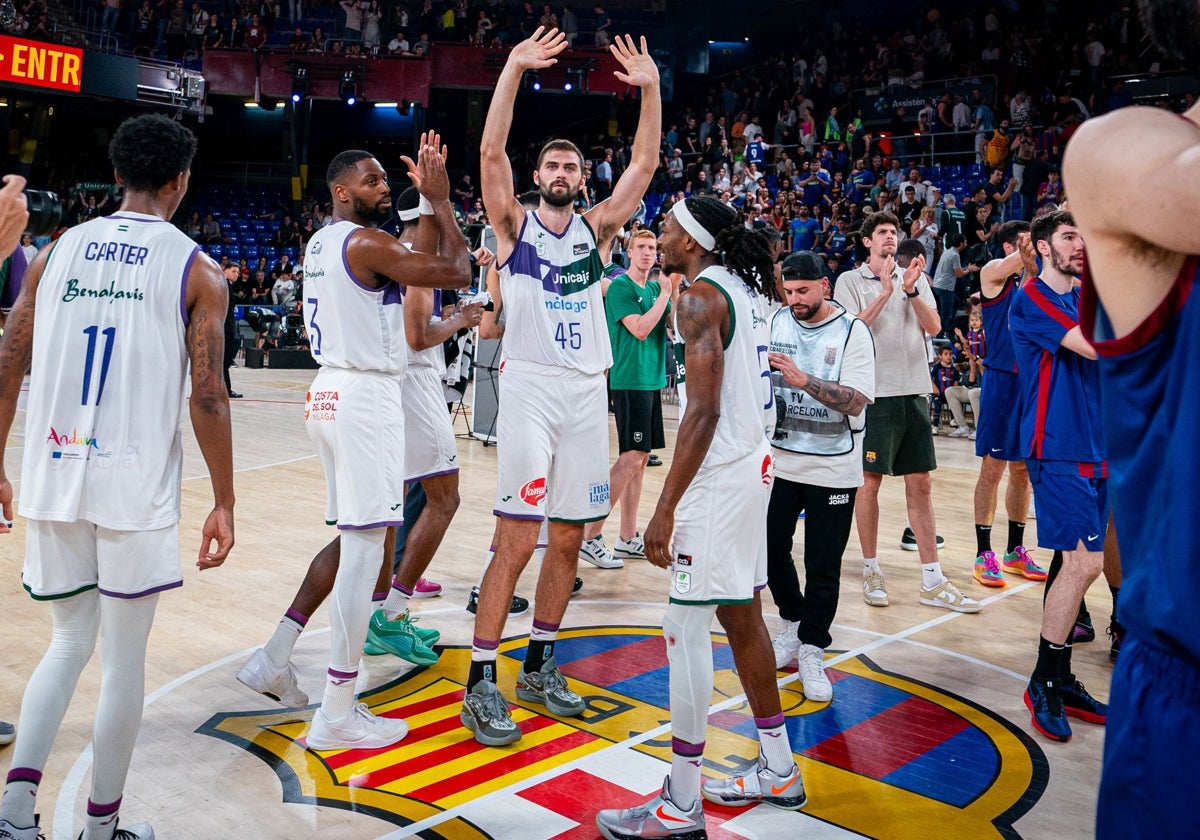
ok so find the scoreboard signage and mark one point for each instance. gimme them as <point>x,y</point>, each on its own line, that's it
<point>40,64</point>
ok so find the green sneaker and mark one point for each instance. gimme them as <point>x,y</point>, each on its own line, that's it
<point>426,634</point>
<point>398,638</point>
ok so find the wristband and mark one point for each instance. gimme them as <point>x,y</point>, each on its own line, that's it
<point>914,293</point>
<point>425,207</point>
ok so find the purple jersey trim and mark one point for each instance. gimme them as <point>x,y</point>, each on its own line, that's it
<point>187,269</point>
<point>418,478</point>
<point>142,594</point>
<point>394,523</point>
<point>528,517</point>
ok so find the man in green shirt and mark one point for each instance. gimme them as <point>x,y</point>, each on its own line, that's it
<point>637,308</point>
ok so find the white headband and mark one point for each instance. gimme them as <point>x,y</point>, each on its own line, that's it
<point>409,215</point>
<point>694,229</point>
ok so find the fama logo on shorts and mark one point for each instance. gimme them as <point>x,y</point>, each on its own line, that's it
<point>768,469</point>
<point>533,492</point>
<point>566,305</point>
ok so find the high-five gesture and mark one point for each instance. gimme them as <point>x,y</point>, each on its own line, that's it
<point>913,273</point>
<point>640,69</point>
<point>431,170</point>
<point>538,51</point>
<point>429,139</point>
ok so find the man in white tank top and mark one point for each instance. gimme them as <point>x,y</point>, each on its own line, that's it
<point>123,304</point>
<point>552,425</point>
<point>353,273</point>
<point>709,527</point>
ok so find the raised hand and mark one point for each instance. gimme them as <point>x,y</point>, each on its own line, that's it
<point>913,273</point>
<point>428,138</point>
<point>432,179</point>
<point>887,277</point>
<point>640,69</point>
<point>539,51</point>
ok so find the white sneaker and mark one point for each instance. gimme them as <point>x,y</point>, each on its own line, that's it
<point>961,432</point>
<point>596,552</point>
<point>633,548</point>
<point>950,597</point>
<point>874,592</point>
<point>8,830</point>
<point>786,643</point>
<point>812,674</point>
<point>138,831</point>
<point>359,730</point>
<point>280,684</point>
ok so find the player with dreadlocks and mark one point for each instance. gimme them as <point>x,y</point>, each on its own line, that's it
<point>709,526</point>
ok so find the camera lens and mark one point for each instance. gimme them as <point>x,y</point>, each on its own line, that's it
<point>45,212</point>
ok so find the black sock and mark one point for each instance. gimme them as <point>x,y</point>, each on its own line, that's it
<point>1016,536</point>
<point>1049,660</point>
<point>536,655</point>
<point>1064,665</point>
<point>1116,591</point>
<point>1083,614</point>
<point>983,539</point>
<point>1055,566</point>
<point>480,671</point>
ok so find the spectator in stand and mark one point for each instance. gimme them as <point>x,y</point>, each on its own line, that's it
<point>210,231</point>
<point>980,230</point>
<point>198,23</point>
<point>604,176</point>
<point>925,230</point>
<point>804,231</point>
<point>214,33</point>
<point>603,24</point>
<point>256,34</point>
<point>675,169</point>
<point>961,123</point>
<point>998,196</point>
<point>832,130</point>
<point>465,192</point>
<point>983,123</point>
<point>317,45</point>
<point>371,16</point>
<point>946,278</point>
<point>283,292</point>
<point>352,23</point>
<point>399,44</point>
<point>1023,150</point>
<point>570,26</point>
<point>176,31</point>
<point>909,209</point>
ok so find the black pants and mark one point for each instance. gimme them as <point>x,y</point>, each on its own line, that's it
<point>231,350</point>
<point>828,512</point>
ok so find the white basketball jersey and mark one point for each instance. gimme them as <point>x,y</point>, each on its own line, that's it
<point>103,440</point>
<point>350,325</point>
<point>431,357</point>
<point>747,397</point>
<point>553,300</point>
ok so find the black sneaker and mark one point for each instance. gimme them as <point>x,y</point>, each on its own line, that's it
<point>1083,631</point>
<point>908,541</point>
<point>519,605</point>
<point>578,586</point>
<point>1116,632</point>
<point>654,461</point>
<point>1077,703</point>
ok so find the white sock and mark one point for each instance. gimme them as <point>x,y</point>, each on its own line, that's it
<point>395,604</point>
<point>871,565</point>
<point>19,801</point>
<point>776,748</point>
<point>684,786</point>
<point>279,647</point>
<point>931,575</point>
<point>349,614</point>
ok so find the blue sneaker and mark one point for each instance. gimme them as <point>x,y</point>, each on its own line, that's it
<point>1046,706</point>
<point>1077,703</point>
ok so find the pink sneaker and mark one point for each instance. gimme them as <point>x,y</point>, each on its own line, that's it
<point>426,589</point>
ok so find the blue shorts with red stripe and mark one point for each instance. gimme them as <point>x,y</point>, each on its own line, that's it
<point>1149,786</point>
<point>1071,500</point>
<point>998,426</point>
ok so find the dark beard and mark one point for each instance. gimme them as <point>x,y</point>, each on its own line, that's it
<point>556,200</point>
<point>371,212</point>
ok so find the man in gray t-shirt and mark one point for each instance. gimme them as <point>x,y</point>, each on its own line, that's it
<point>945,281</point>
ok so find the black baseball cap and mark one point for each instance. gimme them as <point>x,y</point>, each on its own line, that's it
<point>804,265</point>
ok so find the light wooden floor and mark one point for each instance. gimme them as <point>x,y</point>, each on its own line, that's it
<point>190,785</point>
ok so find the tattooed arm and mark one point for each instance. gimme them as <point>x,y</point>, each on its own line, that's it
<point>207,302</point>
<point>16,351</point>
<point>828,393</point>
<point>703,321</point>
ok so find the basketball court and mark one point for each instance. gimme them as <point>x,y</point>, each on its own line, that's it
<point>927,735</point>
